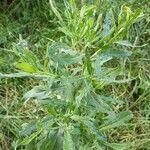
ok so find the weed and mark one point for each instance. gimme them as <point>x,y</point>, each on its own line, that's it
<point>85,91</point>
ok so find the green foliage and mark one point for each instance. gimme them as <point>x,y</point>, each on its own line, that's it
<point>79,85</point>
<point>89,30</point>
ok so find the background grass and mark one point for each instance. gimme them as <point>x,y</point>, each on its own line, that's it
<point>37,24</point>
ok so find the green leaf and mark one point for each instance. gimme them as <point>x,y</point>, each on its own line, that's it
<point>117,53</point>
<point>56,12</point>
<point>117,121</point>
<point>107,25</point>
<point>99,103</point>
<point>89,123</point>
<point>102,138</point>
<point>128,44</point>
<point>86,9</point>
<point>120,146</point>
<point>28,128</point>
<point>28,60</point>
<point>24,66</point>
<point>100,60</point>
<point>28,139</point>
<point>113,80</point>
<point>38,92</point>
<point>98,23</point>
<point>124,43</point>
<point>55,139</point>
<point>135,16</point>
<point>89,65</point>
<point>67,141</point>
<point>24,74</point>
<point>63,55</point>
<point>1,61</point>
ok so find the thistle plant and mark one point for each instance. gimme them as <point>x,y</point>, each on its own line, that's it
<point>73,107</point>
